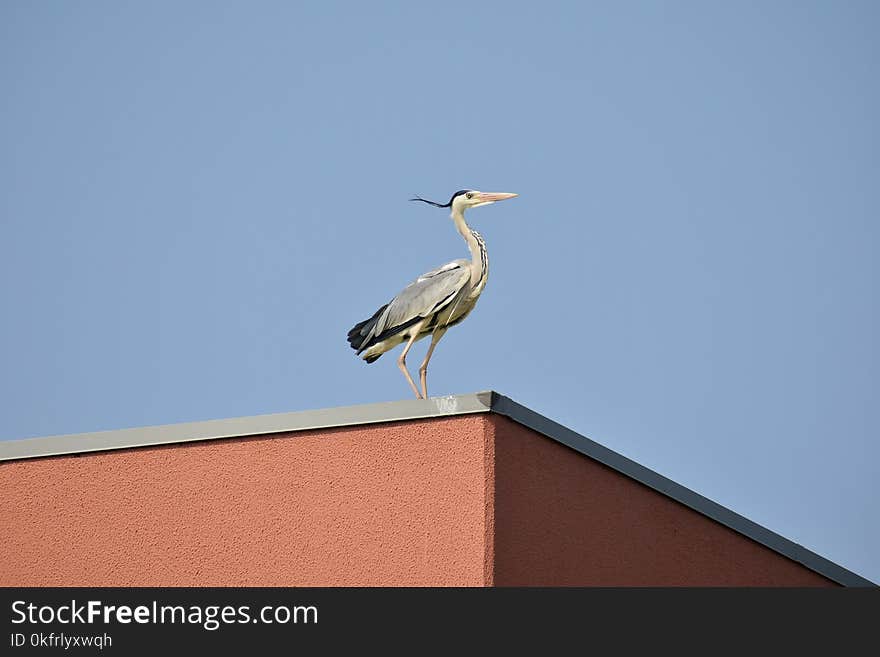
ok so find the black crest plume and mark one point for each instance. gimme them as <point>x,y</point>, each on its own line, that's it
<point>441,205</point>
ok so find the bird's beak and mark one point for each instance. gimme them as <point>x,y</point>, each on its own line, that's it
<point>485,198</point>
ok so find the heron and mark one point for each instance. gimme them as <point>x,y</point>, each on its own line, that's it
<point>434,301</point>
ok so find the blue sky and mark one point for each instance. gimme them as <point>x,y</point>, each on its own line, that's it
<point>198,200</point>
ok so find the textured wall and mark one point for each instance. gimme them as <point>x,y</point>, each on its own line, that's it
<point>467,500</point>
<point>392,504</point>
<point>564,519</point>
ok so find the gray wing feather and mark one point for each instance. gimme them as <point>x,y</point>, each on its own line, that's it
<point>429,293</point>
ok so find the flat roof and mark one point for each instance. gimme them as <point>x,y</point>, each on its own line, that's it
<point>480,402</point>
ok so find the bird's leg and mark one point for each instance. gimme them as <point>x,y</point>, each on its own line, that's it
<point>423,368</point>
<point>401,362</point>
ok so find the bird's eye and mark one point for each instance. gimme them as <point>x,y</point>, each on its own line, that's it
<point>469,195</point>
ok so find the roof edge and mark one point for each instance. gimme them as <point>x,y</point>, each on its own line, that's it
<point>520,414</point>
<point>325,418</point>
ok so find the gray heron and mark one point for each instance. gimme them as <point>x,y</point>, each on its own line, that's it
<point>434,301</point>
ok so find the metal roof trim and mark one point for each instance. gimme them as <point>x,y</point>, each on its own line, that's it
<point>518,413</point>
<point>326,418</point>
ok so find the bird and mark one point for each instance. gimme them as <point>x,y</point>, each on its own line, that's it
<point>436,300</point>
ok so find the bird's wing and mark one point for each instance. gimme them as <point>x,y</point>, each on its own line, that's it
<point>429,293</point>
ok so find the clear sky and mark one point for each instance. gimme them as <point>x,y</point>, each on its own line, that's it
<point>199,199</point>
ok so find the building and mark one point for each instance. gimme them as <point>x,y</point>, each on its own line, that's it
<point>466,490</point>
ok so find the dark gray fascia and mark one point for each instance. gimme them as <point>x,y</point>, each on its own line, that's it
<point>529,418</point>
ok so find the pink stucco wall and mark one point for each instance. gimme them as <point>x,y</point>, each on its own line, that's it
<point>391,504</point>
<point>563,519</point>
<point>468,500</point>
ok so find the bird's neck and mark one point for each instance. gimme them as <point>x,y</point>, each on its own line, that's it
<point>477,247</point>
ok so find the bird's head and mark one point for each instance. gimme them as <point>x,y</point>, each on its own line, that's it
<point>468,198</point>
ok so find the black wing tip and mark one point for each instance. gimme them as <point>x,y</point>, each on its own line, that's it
<point>357,335</point>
